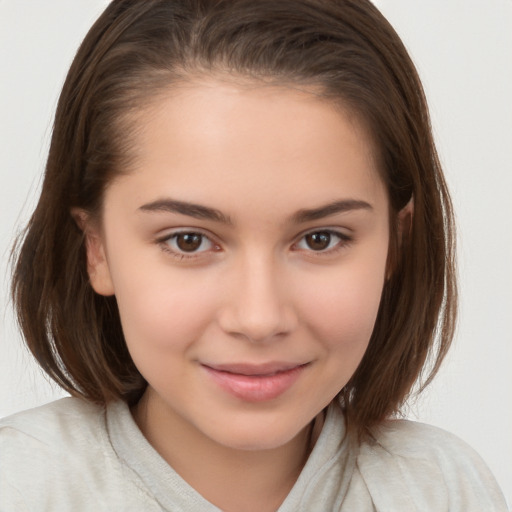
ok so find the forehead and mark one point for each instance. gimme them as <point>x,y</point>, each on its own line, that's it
<point>218,140</point>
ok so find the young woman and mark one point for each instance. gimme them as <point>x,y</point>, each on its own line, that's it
<point>239,265</point>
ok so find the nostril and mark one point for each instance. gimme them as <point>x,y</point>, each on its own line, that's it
<point>249,326</point>
<point>257,306</point>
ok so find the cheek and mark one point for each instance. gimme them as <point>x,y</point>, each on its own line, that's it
<point>162,321</point>
<point>162,311</point>
<point>342,308</point>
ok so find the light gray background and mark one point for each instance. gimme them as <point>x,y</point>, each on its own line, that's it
<point>463,49</point>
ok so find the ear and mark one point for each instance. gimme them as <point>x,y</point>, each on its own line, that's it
<point>404,227</point>
<point>97,263</point>
<point>405,216</point>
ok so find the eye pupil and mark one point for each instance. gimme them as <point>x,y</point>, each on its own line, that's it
<point>188,242</point>
<point>318,241</point>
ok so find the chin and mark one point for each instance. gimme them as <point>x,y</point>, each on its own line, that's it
<point>258,442</point>
<point>256,436</point>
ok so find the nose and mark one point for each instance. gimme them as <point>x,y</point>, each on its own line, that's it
<point>257,305</point>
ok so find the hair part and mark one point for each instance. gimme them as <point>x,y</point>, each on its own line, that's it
<point>345,50</point>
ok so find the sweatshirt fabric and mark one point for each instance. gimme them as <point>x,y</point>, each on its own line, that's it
<point>74,455</point>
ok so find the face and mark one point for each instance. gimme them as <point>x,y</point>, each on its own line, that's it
<point>247,253</point>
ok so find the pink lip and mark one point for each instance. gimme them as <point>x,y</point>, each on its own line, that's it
<point>255,383</point>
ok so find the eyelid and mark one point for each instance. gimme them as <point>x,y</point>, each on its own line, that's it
<point>163,240</point>
<point>345,239</point>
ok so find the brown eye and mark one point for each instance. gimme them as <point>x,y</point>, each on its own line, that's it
<point>188,242</point>
<point>326,241</point>
<point>318,241</point>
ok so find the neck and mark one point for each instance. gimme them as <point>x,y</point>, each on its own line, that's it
<point>231,479</point>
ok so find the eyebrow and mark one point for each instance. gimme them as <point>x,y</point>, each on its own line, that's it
<point>342,206</point>
<point>185,208</point>
<point>204,212</point>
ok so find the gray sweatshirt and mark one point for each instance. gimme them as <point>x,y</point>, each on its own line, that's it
<point>71,455</point>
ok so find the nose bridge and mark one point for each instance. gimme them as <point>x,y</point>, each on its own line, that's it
<point>258,308</point>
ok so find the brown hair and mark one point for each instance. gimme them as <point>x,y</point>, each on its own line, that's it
<point>345,49</point>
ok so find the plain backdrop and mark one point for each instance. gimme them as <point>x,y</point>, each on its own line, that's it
<point>463,50</point>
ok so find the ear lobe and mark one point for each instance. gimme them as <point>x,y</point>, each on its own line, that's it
<point>97,263</point>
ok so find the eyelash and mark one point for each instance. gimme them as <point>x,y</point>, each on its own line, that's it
<point>165,242</point>
<point>343,241</point>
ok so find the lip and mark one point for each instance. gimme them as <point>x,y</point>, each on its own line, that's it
<point>255,383</point>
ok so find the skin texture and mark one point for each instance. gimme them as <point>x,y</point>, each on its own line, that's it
<point>255,290</point>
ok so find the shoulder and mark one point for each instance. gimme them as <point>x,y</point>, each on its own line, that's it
<point>57,451</point>
<point>58,429</point>
<point>428,466</point>
<point>413,439</point>
<point>49,422</point>
<point>51,432</point>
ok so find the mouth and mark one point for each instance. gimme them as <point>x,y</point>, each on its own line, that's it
<point>255,370</point>
<point>255,383</point>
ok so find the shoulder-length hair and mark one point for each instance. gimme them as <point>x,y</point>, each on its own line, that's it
<point>344,48</point>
